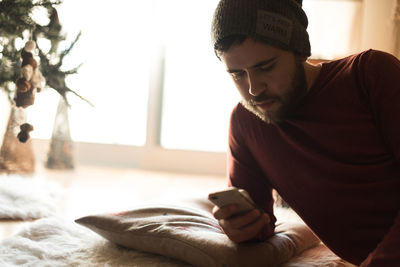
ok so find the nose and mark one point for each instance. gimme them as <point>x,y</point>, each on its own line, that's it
<point>256,85</point>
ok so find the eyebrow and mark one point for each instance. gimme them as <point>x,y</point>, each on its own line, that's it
<point>258,64</point>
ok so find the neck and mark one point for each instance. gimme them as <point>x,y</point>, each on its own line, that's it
<point>312,71</point>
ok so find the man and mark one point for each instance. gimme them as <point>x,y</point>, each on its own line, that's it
<point>326,137</point>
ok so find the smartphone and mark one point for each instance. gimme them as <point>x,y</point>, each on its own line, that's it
<point>232,195</point>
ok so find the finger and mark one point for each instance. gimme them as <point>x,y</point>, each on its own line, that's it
<point>224,212</point>
<point>242,220</point>
<point>265,233</point>
<point>267,218</point>
<point>248,232</point>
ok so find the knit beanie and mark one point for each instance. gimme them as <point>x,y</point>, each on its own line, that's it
<point>281,23</point>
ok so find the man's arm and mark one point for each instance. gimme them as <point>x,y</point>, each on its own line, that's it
<point>382,76</point>
<point>244,173</point>
<point>386,254</point>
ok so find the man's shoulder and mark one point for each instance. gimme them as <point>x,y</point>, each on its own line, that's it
<point>370,56</point>
<point>378,57</point>
<point>358,64</point>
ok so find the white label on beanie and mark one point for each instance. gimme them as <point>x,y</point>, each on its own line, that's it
<point>274,26</point>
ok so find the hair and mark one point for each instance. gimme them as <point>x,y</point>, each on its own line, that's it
<point>226,43</point>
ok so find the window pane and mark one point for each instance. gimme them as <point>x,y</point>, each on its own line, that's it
<point>334,27</point>
<point>198,93</point>
<point>114,49</point>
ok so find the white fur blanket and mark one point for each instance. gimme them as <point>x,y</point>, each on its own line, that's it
<point>55,242</point>
<point>27,197</point>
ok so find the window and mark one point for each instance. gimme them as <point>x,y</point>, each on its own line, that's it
<point>158,89</point>
<point>114,48</point>
<point>334,27</point>
<point>198,93</point>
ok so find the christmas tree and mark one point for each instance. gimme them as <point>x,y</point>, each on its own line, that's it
<point>17,25</point>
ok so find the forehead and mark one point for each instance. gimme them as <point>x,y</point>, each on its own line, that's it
<point>249,53</point>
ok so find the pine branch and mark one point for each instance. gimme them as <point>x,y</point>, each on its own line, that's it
<point>15,18</point>
<point>15,15</point>
<point>73,71</point>
<point>78,95</point>
<point>66,51</point>
<point>56,78</point>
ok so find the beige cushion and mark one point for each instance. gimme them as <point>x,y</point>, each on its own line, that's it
<point>194,236</point>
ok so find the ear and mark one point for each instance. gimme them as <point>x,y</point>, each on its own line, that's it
<point>301,58</point>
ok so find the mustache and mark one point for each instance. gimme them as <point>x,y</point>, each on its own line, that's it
<point>262,98</point>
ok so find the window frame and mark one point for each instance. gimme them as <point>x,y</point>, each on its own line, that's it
<point>152,155</point>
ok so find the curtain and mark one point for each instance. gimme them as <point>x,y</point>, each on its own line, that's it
<point>396,30</point>
<point>334,27</point>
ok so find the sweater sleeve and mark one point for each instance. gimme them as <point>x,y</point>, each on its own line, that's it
<point>244,172</point>
<point>382,76</point>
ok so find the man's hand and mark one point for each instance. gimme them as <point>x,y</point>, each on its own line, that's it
<point>252,225</point>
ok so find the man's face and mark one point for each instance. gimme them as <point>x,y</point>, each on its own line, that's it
<point>270,80</point>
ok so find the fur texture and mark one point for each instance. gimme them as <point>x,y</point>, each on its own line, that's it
<point>27,197</point>
<point>53,242</point>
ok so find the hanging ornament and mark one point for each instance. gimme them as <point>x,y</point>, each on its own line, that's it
<point>23,135</point>
<point>16,155</point>
<point>30,82</point>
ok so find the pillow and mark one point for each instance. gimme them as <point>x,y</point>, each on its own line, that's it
<point>194,236</point>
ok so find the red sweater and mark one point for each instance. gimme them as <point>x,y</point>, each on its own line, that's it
<point>336,161</point>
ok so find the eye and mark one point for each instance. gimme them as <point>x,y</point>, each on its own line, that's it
<point>267,68</point>
<point>237,75</point>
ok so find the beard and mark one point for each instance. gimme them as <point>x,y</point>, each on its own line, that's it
<point>289,100</point>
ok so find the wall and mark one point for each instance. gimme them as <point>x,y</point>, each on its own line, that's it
<point>377,24</point>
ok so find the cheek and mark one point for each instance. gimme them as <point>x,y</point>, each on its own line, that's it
<point>286,77</point>
<point>279,84</point>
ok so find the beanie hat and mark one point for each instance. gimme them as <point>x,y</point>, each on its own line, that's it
<point>281,23</point>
